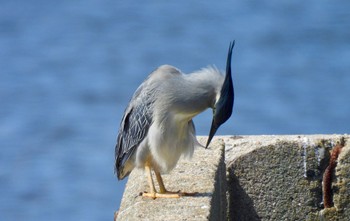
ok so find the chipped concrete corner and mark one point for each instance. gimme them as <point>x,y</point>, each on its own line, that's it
<point>250,178</point>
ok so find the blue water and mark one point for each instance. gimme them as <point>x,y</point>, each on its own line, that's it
<point>68,69</point>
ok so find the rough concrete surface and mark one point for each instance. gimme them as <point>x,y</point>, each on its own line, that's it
<point>205,173</point>
<point>250,178</point>
<point>280,177</point>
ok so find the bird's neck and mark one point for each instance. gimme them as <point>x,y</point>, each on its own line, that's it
<point>198,92</point>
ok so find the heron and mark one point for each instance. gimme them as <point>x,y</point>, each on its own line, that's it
<point>157,127</point>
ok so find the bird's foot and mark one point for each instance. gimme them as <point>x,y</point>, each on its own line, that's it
<point>161,195</point>
<point>167,194</point>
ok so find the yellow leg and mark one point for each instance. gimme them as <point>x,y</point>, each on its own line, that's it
<point>163,193</point>
<point>170,194</point>
<point>160,182</point>
<point>153,191</point>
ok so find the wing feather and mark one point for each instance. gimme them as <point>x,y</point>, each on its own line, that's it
<point>134,127</point>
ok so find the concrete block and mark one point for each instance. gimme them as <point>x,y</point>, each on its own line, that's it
<point>280,177</point>
<point>205,173</point>
<point>267,178</point>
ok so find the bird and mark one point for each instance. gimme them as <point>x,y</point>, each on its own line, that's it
<point>157,126</point>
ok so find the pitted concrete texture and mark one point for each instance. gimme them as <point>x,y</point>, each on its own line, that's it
<point>205,173</point>
<point>267,178</point>
<point>280,177</point>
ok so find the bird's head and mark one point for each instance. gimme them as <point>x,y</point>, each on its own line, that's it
<point>223,107</point>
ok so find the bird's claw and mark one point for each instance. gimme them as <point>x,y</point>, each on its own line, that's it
<point>167,194</point>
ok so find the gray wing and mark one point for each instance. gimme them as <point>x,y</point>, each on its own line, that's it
<point>133,128</point>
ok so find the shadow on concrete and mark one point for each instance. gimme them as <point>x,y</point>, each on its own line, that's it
<point>241,206</point>
<point>204,194</point>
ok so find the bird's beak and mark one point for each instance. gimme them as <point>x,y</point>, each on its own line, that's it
<point>212,132</point>
<point>223,107</point>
